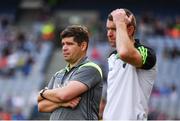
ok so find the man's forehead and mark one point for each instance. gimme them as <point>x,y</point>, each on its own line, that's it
<point>68,39</point>
<point>110,23</point>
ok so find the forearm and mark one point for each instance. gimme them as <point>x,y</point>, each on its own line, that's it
<point>47,106</point>
<point>54,95</point>
<point>125,46</point>
<point>67,93</point>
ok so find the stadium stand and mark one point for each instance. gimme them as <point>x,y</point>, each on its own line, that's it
<point>29,42</point>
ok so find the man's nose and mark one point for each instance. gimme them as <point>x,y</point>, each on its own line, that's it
<point>64,47</point>
<point>109,33</point>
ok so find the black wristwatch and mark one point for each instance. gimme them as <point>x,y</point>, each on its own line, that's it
<point>41,93</point>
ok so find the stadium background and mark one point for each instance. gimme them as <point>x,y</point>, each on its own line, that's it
<point>30,48</point>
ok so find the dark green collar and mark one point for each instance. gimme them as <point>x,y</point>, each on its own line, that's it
<point>81,62</point>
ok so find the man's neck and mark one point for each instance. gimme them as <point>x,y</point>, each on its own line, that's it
<point>71,65</point>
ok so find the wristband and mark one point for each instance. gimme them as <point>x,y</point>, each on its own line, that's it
<point>41,93</point>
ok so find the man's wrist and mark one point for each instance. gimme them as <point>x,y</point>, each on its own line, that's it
<point>60,104</point>
<point>42,92</point>
<point>121,24</point>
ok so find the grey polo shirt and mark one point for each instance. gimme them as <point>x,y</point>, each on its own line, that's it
<point>89,74</point>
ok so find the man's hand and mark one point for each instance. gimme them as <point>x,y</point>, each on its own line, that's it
<point>119,16</point>
<point>72,103</point>
<point>101,108</point>
<point>39,96</point>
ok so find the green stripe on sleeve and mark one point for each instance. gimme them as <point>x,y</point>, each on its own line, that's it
<point>143,52</point>
<point>93,65</point>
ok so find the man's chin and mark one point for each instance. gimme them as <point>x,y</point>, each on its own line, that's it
<point>113,45</point>
<point>66,59</point>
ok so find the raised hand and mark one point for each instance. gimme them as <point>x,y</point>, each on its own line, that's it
<point>119,16</point>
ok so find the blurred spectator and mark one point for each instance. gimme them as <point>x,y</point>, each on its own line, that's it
<point>18,102</point>
<point>28,66</point>
<point>48,31</point>
<point>174,31</point>
<point>145,28</point>
<point>159,28</point>
<point>17,115</point>
<point>4,115</point>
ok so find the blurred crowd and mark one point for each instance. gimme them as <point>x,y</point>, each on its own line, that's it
<point>151,25</point>
<point>20,46</point>
<point>17,51</point>
<point>21,49</point>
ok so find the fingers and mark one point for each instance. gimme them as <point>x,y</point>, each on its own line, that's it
<point>118,11</point>
<point>119,15</point>
<point>130,18</point>
<point>74,102</point>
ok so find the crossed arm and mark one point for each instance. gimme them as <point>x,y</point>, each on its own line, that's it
<point>49,106</point>
<point>68,96</point>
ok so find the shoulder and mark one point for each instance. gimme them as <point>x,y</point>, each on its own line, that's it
<point>113,56</point>
<point>142,47</point>
<point>92,65</point>
<point>62,71</point>
<point>148,55</point>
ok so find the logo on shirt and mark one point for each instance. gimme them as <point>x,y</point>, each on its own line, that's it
<point>62,85</point>
<point>143,52</point>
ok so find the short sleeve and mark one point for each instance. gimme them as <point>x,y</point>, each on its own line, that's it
<point>148,57</point>
<point>51,83</point>
<point>88,75</point>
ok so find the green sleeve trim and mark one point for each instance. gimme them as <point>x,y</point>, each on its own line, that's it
<point>92,65</point>
<point>60,71</point>
<point>67,69</point>
<point>117,56</point>
<point>144,53</point>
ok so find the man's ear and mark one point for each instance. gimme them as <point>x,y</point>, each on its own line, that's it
<point>84,46</point>
<point>131,31</point>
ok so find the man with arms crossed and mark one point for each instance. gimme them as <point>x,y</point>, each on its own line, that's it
<point>74,92</point>
<point>132,70</point>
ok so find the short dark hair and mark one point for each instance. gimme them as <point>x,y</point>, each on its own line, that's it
<point>79,32</point>
<point>128,13</point>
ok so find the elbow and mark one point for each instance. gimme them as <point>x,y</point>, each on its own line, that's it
<point>126,54</point>
<point>123,54</point>
<point>64,97</point>
<point>40,109</point>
